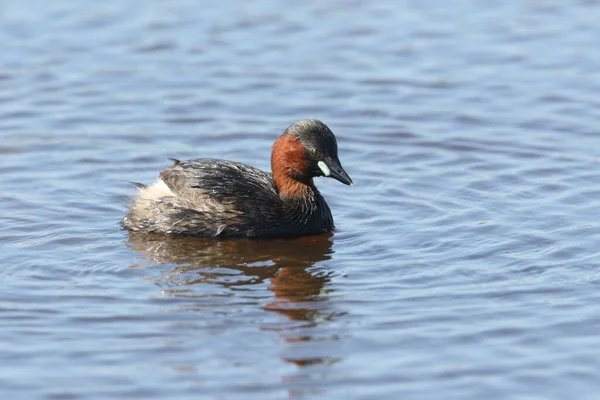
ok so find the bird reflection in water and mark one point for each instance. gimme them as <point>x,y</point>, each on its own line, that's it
<point>288,265</point>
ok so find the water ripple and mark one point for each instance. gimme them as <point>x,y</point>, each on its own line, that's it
<point>466,255</point>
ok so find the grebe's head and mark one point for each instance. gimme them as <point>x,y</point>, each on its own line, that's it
<point>307,149</point>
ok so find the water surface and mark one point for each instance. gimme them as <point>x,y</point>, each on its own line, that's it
<point>466,260</point>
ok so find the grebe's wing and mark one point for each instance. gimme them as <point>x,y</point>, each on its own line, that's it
<point>219,185</point>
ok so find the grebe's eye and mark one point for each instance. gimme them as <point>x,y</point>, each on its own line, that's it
<point>315,153</point>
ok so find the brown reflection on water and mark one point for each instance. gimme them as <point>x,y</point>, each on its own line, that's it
<point>299,290</point>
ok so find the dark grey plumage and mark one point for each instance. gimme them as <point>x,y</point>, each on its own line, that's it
<point>224,198</point>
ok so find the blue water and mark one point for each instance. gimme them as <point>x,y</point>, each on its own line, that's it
<point>466,260</point>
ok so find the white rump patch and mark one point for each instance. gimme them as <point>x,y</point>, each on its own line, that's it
<point>324,168</point>
<point>157,190</point>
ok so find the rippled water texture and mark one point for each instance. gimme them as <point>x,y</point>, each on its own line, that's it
<point>466,263</point>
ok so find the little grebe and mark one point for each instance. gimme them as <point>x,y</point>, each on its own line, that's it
<point>209,197</point>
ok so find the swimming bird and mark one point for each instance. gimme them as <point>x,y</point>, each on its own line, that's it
<point>218,198</point>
